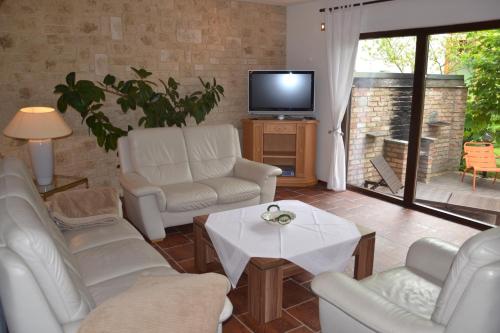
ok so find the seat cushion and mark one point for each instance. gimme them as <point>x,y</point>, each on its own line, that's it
<point>188,196</point>
<point>231,189</point>
<point>406,289</point>
<point>115,259</point>
<point>87,238</point>
<point>109,288</point>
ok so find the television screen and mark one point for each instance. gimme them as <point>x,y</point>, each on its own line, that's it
<point>281,92</point>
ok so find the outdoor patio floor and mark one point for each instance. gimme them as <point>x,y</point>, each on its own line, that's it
<point>396,227</point>
<point>452,181</point>
<point>436,193</point>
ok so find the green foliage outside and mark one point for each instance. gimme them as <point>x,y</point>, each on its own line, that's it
<point>481,55</point>
<point>399,52</point>
<point>160,108</point>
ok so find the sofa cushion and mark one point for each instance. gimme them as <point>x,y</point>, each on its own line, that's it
<point>169,303</point>
<point>115,259</point>
<point>87,238</point>
<point>159,155</point>
<point>212,150</point>
<point>109,288</point>
<point>406,289</point>
<point>231,189</point>
<point>188,196</point>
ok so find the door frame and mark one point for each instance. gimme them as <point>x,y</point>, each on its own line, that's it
<point>417,112</point>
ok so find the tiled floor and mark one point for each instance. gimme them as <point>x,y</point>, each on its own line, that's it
<point>397,228</point>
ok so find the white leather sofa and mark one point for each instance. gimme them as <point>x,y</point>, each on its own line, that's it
<point>49,280</point>
<point>170,175</point>
<point>441,289</point>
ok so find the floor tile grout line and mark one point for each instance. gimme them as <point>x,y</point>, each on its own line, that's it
<point>296,328</point>
<point>177,262</point>
<point>300,321</point>
<point>242,323</point>
<point>301,303</point>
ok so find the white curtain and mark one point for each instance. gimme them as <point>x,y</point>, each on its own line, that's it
<point>342,33</point>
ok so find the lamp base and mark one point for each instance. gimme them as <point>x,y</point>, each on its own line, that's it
<point>42,160</point>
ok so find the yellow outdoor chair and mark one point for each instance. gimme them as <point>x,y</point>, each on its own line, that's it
<point>479,157</point>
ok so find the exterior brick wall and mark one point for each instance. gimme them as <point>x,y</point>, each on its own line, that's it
<point>396,154</point>
<point>380,125</point>
<point>41,41</point>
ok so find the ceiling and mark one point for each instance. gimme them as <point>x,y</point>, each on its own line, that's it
<point>278,2</point>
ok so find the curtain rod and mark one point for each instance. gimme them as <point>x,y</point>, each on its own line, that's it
<point>322,10</point>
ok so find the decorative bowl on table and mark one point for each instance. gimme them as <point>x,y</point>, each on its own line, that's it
<point>277,216</point>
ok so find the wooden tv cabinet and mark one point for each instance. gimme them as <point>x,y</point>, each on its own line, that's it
<point>288,144</point>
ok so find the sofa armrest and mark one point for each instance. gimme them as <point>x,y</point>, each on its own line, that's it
<point>255,171</point>
<point>262,174</point>
<point>432,257</point>
<point>139,186</point>
<point>367,307</point>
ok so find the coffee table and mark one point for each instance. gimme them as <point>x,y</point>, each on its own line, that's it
<point>266,275</point>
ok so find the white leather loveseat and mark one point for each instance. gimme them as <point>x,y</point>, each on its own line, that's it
<point>49,280</point>
<point>170,175</point>
<point>441,289</point>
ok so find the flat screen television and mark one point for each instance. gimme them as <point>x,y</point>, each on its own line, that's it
<point>281,93</point>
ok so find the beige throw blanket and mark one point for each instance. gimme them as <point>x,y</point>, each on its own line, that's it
<point>183,303</point>
<point>86,207</point>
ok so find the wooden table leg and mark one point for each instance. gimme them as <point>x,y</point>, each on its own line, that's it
<point>363,260</point>
<point>265,293</point>
<point>200,252</point>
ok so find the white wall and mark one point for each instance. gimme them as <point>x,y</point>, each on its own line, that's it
<point>306,46</point>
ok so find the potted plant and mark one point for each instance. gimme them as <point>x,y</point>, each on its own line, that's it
<point>160,108</point>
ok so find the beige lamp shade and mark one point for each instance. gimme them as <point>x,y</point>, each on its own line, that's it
<point>37,123</point>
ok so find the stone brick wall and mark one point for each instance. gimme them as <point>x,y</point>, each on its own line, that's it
<point>41,41</point>
<point>396,155</point>
<point>380,116</point>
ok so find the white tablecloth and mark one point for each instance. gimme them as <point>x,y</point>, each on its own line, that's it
<point>316,240</point>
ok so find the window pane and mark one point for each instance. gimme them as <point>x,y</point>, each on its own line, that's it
<point>380,114</point>
<point>461,107</point>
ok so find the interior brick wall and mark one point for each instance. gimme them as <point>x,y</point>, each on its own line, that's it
<point>41,41</point>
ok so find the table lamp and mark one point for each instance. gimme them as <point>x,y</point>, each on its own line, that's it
<point>39,125</point>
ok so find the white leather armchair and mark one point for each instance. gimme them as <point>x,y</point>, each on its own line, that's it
<point>440,289</point>
<point>170,175</point>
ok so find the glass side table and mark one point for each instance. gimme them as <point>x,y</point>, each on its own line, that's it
<point>61,183</point>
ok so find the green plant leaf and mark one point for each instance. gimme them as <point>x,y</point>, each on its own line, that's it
<point>95,107</point>
<point>61,89</point>
<point>159,109</point>
<point>70,79</point>
<point>172,83</point>
<point>109,80</point>
<point>123,104</point>
<point>142,73</point>
<point>132,104</point>
<point>100,139</point>
<point>61,104</point>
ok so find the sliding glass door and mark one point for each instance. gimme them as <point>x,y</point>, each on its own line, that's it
<point>380,114</point>
<point>461,110</point>
<point>425,108</point>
